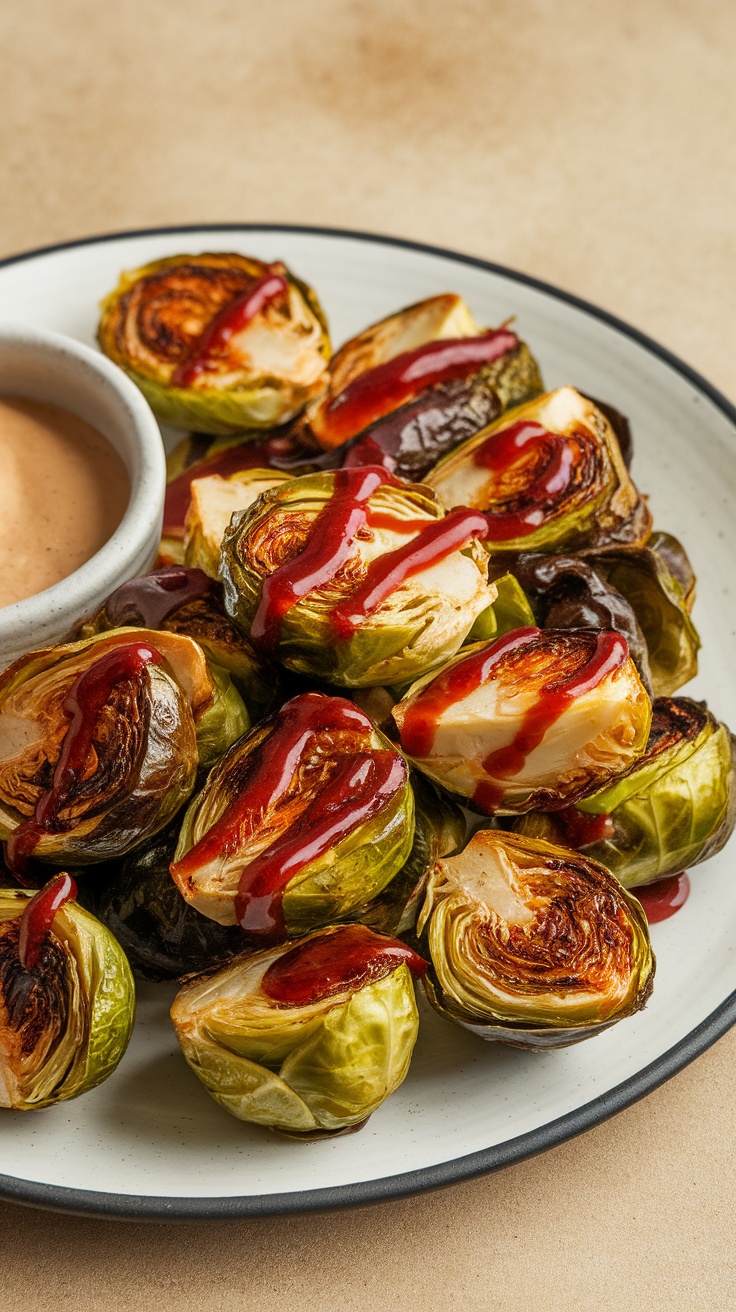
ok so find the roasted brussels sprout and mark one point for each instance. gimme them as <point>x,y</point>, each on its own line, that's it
<point>531,944</point>
<point>182,600</point>
<point>676,806</point>
<point>533,719</point>
<point>549,476</point>
<point>439,829</point>
<point>642,576</point>
<point>162,935</point>
<point>214,500</point>
<point>307,1040</point>
<point>413,386</point>
<point>355,578</point>
<point>98,743</point>
<point>217,342</point>
<point>306,818</point>
<point>510,610</point>
<point>67,999</point>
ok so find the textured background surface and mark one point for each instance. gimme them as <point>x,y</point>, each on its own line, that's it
<point>591,145</point>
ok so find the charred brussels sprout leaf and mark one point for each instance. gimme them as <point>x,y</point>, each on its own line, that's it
<point>674,808</point>
<point>179,599</point>
<point>659,603</point>
<point>530,944</point>
<point>217,342</point>
<point>66,1019</point>
<point>353,578</point>
<point>549,476</point>
<point>308,1041</point>
<point>306,818</point>
<point>536,718</point>
<point>98,744</point>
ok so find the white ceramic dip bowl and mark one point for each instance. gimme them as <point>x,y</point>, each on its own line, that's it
<point>44,366</point>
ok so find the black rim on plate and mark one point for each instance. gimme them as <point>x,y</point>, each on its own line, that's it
<point>144,1207</point>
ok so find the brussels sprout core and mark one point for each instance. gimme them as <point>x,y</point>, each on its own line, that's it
<point>534,715</point>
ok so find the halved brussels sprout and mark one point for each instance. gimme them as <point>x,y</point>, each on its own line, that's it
<point>675,807</point>
<point>186,601</point>
<point>307,1040</point>
<point>67,998</point>
<point>534,719</point>
<point>217,342</point>
<point>214,500</point>
<point>305,819</point>
<point>99,743</point>
<point>531,944</point>
<point>354,578</point>
<point>641,575</point>
<point>549,476</point>
<point>510,610</point>
<point>439,829</point>
<point>413,386</point>
<point>162,935</point>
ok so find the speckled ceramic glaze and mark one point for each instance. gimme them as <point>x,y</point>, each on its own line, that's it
<point>45,366</point>
<point>150,1142</point>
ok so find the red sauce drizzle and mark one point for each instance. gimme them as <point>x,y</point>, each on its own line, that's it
<point>341,960</point>
<point>231,460</point>
<point>436,541</point>
<point>580,829</point>
<point>421,719</point>
<point>232,319</point>
<point>38,917</point>
<point>663,898</point>
<point>148,601</point>
<point>502,451</point>
<point>86,699</point>
<point>378,391</point>
<point>329,545</point>
<point>365,783</point>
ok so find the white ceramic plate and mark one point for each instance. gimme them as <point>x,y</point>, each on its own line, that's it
<point>150,1142</point>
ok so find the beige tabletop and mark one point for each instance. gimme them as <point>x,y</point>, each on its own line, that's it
<point>590,144</point>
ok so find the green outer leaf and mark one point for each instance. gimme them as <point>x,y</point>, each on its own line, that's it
<point>225,720</point>
<point>675,812</point>
<point>642,577</point>
<point>510,610</point>
<point>245,1089</point>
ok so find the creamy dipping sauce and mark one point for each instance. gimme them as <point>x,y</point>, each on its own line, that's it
<point>63,492</point>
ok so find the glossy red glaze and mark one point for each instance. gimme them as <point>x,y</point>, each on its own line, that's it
<point>580,830</point>
<point>343,960</point>
<point>421,719</point>
<point>328,546</point>
<point>386,387</point>
<point>436,541</point>
<point>662,899</point>
<point>38,917</point>
<point>232,319</point>
<point>148,601</point>
<point>365,782</point>
<point>84,703</point>
<point>231,460</point>
<point>507,448</point>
